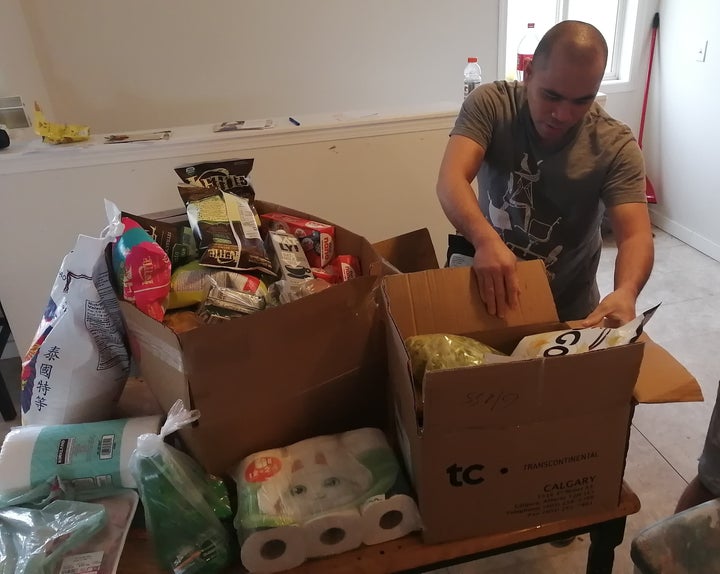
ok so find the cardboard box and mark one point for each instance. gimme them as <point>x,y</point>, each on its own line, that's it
<point>514,445</point>
<point>309,367</point>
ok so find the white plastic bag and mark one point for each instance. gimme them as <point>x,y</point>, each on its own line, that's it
<point>78,362</point>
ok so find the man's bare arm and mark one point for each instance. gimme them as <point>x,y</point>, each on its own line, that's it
<point>494,263</point>
<point>634,262</point>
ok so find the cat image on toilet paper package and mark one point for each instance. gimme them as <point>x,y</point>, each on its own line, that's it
<point>319,497</point>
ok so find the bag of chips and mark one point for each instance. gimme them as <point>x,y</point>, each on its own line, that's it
<point>439,351</point>
<point>573,341</point>
<point>176,239</point>
<point>226,229</point>
<point>142,269</point>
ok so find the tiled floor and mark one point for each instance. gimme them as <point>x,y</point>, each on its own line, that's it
<point>666,439</point>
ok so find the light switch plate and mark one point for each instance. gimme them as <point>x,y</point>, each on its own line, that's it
<point>701,52</point>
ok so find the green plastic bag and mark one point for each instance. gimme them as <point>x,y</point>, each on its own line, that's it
<point>181,503</point>
<point>32,540</point>
<point>439,351</point>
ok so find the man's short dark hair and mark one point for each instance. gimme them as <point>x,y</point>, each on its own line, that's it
<point>571,31</point>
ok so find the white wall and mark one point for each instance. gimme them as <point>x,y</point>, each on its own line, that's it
<point>377,182</point>
<point>137,64</point>
<point>20,74</point>
<point>682,132</point>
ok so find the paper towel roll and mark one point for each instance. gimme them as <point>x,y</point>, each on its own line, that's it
<point>333,533</point>
<point>389,518</point>
<point>273,549</point>
<point>90,455</point>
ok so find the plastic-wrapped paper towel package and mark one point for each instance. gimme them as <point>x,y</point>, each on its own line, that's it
<point>318,497</point>
<point>88,455</point>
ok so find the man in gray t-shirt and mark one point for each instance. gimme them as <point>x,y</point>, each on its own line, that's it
<point>547,159</point>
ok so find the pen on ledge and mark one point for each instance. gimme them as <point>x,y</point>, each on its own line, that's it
<point>293,121</point>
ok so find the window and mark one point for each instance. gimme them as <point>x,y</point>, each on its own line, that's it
<point>614,18</point>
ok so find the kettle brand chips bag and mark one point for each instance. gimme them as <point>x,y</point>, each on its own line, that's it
<point>225,228</point>
<point>227,175</point>
<point>231,175</point>
<point>220,204</point>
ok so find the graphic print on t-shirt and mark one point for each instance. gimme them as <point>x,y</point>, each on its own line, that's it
<point>525,220</point>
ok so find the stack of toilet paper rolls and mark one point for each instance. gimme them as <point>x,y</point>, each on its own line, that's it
<point>319,497</point>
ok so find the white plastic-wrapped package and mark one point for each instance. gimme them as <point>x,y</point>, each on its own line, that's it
<point>78,362</point>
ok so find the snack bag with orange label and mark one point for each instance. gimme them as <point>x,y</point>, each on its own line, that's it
<point>55,133</point>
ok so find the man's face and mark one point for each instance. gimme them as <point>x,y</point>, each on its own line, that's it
<point>560,92</point>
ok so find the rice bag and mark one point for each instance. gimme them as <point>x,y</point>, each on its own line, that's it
<point>78,363</point>
<point>439,351</point>
<point>142,269</point>
<point>573,341</point>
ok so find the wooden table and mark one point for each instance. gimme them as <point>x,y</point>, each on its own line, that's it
<point>410,555</point>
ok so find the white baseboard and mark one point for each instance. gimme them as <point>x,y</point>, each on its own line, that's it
<point>686,235</point>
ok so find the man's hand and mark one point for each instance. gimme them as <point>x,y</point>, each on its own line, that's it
<point>614,310</point>
<point>494,265</point>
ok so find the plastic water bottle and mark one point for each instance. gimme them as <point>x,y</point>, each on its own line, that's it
<point>473,76</point>
<point>525,51</point>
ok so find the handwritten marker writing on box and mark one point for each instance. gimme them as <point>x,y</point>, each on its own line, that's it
<point>293,121</point>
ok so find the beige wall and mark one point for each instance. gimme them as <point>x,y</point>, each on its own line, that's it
<point>20,73</point>
<point>140,64</point>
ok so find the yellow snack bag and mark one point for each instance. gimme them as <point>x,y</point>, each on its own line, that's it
<point>58,133</point>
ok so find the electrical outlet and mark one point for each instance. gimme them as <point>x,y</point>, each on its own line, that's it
<point>701,52</point>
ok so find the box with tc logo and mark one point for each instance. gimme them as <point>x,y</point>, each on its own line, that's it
<point>496,447</point>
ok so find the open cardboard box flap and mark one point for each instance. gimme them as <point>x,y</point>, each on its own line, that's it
<point>409,252</point>
<point>663,379</point>
<point>448,301</point>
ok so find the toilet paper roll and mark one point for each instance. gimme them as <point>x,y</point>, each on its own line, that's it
<point>389,518</point>
<point>273,549</point>
<point>90,455</point>
<point>333,533</point>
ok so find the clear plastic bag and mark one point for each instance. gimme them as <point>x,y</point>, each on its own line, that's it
<point>32,540</point>
<point>182,505</point>
<point>438,351</point>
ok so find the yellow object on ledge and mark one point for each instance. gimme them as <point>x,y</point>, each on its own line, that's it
<point>58,133</point>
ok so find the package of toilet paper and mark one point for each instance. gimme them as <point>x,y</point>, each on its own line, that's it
<point>308,499</point>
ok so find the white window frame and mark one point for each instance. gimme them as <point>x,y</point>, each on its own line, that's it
<point>624,75</point>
